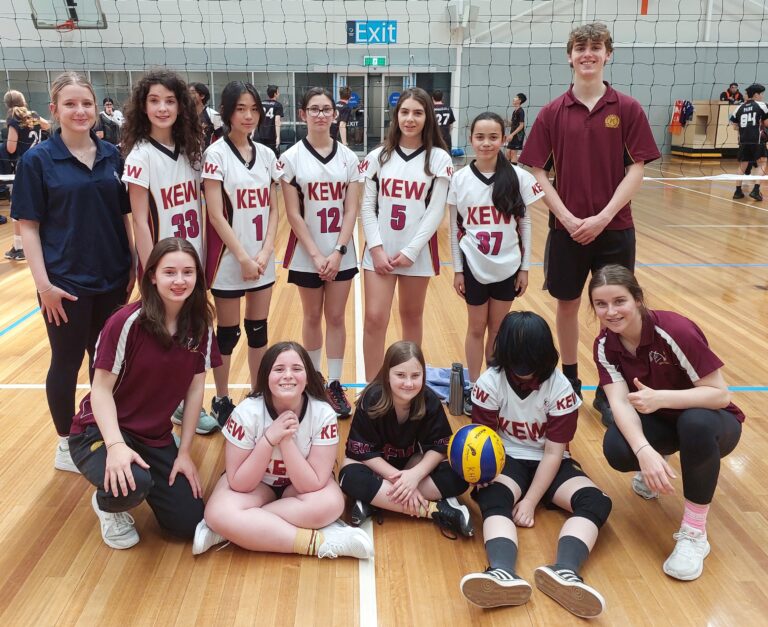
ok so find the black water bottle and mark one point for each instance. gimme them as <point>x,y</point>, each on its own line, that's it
<point>456,390</point>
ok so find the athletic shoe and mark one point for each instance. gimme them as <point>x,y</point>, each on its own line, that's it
<point>687,560</point>
<point>337,399</point>
<point>755,194</point>
<point>117,530</point>
<point>453,516</point>
<point>602,405</point>
<point>220,409</point>
<point>738,194</point>
<point>576,385</point>
<point>494,588</point>
<point>570,591</point>
<point>15,254</point>
<point>468,402</point>
<point>341,540</point>
<point>205,424</point>
<point>3,220</point>
<point>205,538</point>
<point>641,489</point>
<point>360,512</point>
<point>63,459</point>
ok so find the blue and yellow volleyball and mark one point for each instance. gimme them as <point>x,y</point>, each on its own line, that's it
<point>476,452</point>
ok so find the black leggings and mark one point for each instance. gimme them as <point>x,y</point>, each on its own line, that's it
<point>703,437</point>
<point>69,342</point>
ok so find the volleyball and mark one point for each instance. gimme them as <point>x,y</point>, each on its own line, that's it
<point>476,453</point>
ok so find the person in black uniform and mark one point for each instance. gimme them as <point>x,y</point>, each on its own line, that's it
<point>343,113</point>
<point>445,118</point>
<point>516,128</point>
<point>268,131</point>
<point>750,119</point>
<point>396,450</point>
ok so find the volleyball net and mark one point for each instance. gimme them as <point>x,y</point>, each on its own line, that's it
<point>478,53</point>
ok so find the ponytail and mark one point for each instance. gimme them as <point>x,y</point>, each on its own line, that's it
<point>506,189</point>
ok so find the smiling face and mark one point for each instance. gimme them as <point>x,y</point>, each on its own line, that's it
<point>246,115</point>
<point>617,310</point>
<point>75,108</point>
<point>287,378</point>
<point>411,118</point>
<point>588,58</point>
<point>487,138</point>
<point>161,107</point>
<point>405,381</point>
<point>175,277</point>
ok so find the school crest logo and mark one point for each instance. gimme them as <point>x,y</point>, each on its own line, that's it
<point>612,121</point>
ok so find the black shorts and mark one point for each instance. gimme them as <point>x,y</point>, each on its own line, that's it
<point>521,471</point>
<point>239,293</point>
<point>476,293</point>
<point>516,143</point>
<point>751,152</point>
<point>313,280</point>
<point>278,490</point>
<point>567,263</point>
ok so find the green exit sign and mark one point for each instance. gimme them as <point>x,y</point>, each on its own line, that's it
<point>375,61</point>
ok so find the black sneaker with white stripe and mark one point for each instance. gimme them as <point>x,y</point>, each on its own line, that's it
<point>453,516</point>
<point>360,512</point>
<point>495,588</point>
<point>570,591</point>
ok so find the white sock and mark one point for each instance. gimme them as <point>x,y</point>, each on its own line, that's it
<point>63,443</point>
<point>17,242</point>
<point>316,356</point>
<point>335,367</point>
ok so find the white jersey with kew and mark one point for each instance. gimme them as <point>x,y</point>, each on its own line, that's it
<point>174,192</point>
<point>246,189</point>
<point>523,422</point>
<point>248,421</point>
<point>322,186</point>
<point>490,241</point>
<point>398,218</point>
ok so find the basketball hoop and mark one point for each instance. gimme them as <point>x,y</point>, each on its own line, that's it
<point>67,26</point>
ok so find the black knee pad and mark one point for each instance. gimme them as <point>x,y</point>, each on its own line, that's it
<point>359,482</point>
<point>227,337</point>
<point>256,332</point>
<point>495,500</point>
<point>592,504</point>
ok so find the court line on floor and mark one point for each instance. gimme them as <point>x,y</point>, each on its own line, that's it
<point>366,569</point>
<point>24,318</point>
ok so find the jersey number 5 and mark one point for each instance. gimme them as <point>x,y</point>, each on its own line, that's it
<point>397,222</point>
<point>187,226</point>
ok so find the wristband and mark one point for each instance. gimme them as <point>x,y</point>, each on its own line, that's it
<point>641,448</point>
<point>266,437</point>
<point>113,444</point>
<point>47,289</point>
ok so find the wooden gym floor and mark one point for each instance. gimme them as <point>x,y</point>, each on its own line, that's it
<point>699,253</point>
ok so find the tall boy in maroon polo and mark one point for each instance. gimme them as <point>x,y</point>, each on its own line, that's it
<point>596,140</point>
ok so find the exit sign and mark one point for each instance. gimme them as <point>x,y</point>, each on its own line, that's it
<point>375,61</point>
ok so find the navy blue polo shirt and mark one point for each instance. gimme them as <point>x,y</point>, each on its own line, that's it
<point>80,211</point>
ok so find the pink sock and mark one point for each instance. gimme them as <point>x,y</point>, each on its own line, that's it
<point>695,516</point>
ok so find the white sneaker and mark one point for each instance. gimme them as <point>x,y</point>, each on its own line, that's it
<point>205,538</point>
<point>641,488</point>
<point>117,530</point>
<point>341,540</point>
<point>495,587</point>
<point>63,459</point>
<point>687,559</point>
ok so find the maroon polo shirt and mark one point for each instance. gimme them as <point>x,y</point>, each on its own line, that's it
<point>151,380</point>
<point>589,150</point>
<point>673,354</point>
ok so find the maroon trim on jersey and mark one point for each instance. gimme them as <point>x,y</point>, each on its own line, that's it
<point>413,155</point>
<point>215,245</point>
<point>561,429</point>
<point>173,155</point>
<point>317,155</point>
<point>432,244</point>
<point>292,239</point>
<point>236,152</point>
<point>487,417</point>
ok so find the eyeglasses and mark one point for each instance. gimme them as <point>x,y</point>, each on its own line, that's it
<point>316,112</point>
